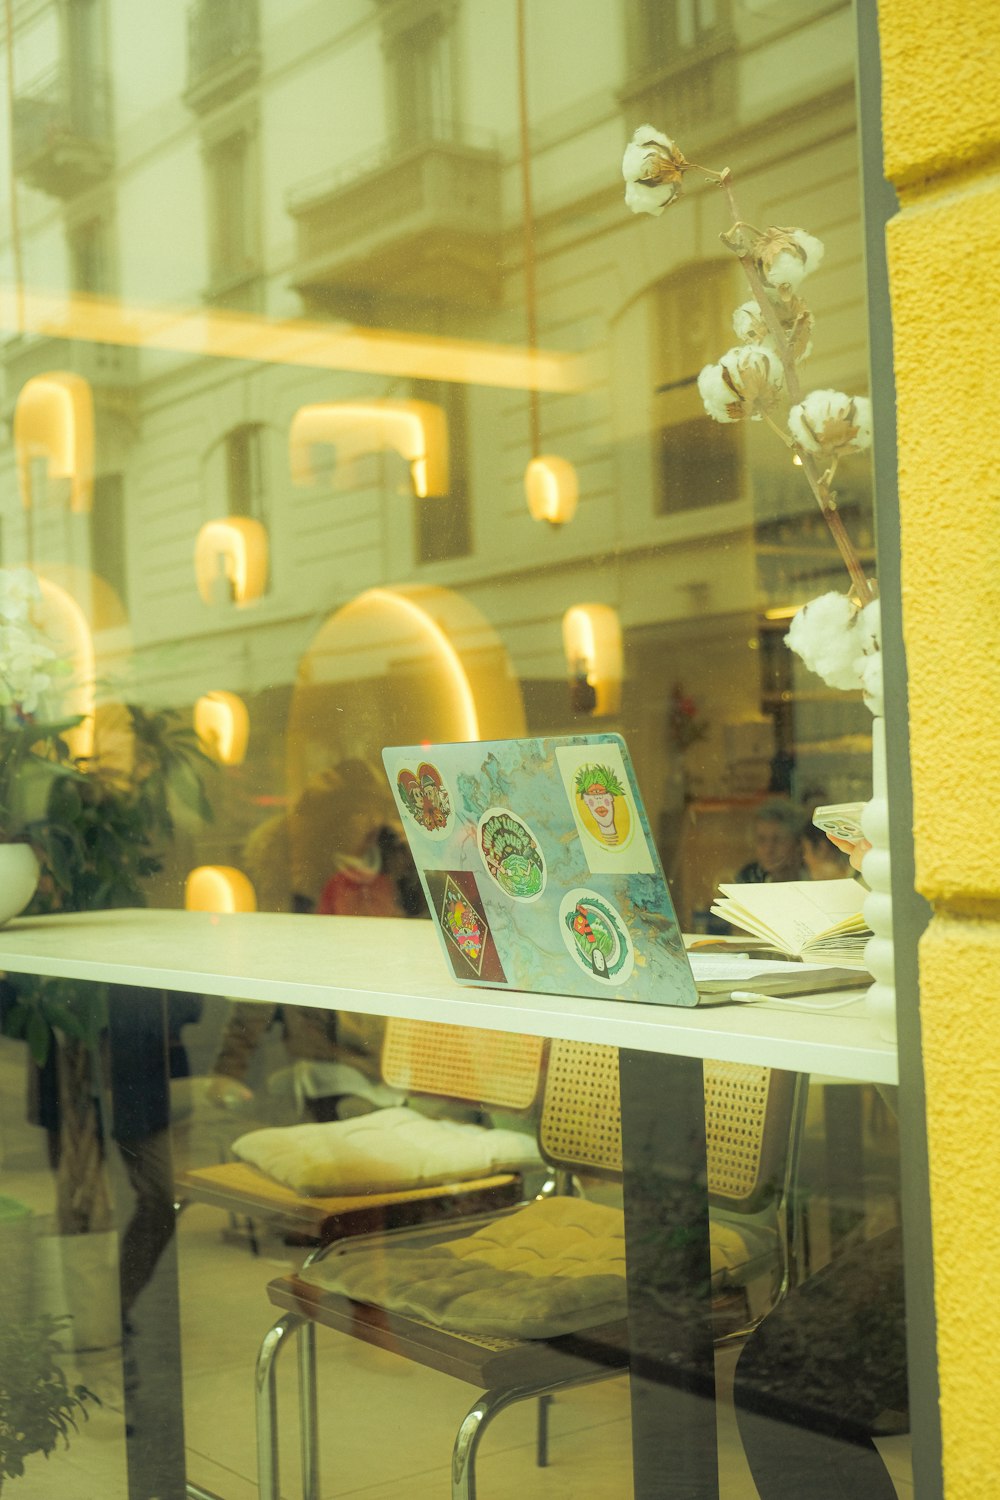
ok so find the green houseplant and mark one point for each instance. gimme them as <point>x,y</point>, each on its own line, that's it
<point>38,1406</point>
<point>99,828</point>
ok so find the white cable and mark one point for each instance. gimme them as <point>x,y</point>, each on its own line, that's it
<point>750,997</point>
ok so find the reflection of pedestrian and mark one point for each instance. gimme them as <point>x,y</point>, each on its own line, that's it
<point>343,826</point>
<point>777,831</point>
<point>144,1051</point>
<point>823,1375</point>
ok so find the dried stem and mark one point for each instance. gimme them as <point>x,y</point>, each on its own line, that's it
<point>818,482</point>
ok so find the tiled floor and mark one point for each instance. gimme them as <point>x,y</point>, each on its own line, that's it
<point>386,1426</point>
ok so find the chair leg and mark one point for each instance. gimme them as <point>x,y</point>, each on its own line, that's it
<point>308,1411</point>
<point>490,1405</point>
<point>266,1404</point>
<point>474,1424</point>
<point>542,1433</point>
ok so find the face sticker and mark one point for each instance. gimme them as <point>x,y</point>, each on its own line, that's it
<point>459,910</point>
<point>426,799</point>
<point>511,854</point>
<point>601,795</point>
<point>596,936</point>
<point>603,805</point>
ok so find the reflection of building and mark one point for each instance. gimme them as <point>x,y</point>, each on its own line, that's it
<point>367,173</point>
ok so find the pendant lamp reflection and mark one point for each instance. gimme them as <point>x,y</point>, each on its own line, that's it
<point>551,487</point>
<point>219,888</point>
<point>592,642</point>
<point>417,430</point>
<point>230,560</point>
<point>222,724</point>
<point>54,420</point>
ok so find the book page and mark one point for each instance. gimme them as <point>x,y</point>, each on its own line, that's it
<point>791,913</point>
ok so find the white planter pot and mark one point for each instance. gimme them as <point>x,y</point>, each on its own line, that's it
<point>18,878</point>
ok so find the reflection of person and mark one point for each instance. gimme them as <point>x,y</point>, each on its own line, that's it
<point>823,1375</point>
<point>825,1372</point>
<point>343,826</point>
<point>777,845</point>
<point>821,857</point>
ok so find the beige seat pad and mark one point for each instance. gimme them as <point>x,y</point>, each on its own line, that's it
<point>385,1151</point>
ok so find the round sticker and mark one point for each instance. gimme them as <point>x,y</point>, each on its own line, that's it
<point>511,854</point>
<point>596,936</point>
<point>426,799</point>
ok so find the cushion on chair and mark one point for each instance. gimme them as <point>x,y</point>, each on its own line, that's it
<point>387,1150</point>
<point>553,1267</point>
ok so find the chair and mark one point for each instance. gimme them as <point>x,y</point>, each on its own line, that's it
<point>489,1069</point>
<point>753,1118</point>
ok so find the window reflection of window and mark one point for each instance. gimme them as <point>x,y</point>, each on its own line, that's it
<point>662,27</point>
<point>698,462</point>
<point>232,232</point>
<point>245,480</point>
<point>418,53</point>
<point>90,257</point>
<point>443,523</point>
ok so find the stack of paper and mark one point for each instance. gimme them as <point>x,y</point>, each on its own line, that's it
<point>820,920</point>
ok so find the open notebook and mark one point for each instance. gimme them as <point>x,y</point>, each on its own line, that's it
<point>817,920</point>
<point>540,874</point>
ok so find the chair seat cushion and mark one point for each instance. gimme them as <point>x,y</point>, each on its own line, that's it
<point>553,1267</point>
<point>385,1151</point>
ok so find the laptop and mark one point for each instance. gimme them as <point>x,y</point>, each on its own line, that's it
<point>541,874</point>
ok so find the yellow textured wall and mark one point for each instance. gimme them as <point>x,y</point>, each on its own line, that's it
<point>941,80</point>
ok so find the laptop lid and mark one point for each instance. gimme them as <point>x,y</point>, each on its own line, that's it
<point>539,869</point>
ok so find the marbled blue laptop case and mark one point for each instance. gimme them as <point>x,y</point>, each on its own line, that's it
<point>539,869</point>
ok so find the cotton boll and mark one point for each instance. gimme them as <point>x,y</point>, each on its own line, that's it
<point>653,168</point>
<point>823,634</point>
<point>785,257</point>
<point>748,323</point>
<point>718,396</point>
<point>746,382</point>
<point>830,423</point>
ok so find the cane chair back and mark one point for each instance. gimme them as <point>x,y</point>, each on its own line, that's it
<point>496,1069</point>
<point>748,1123</point>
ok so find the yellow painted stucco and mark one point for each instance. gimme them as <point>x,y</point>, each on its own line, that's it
<point>941,82</point>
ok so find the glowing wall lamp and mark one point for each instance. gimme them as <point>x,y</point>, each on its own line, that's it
<point>218,888</point>
<point>417,430</point>
<point>592,641</point>
<point>54,420</point>
<point>551,487</point>
<point>222,724</point>
<point>233,553</point>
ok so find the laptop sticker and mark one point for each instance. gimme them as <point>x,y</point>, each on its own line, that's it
<point>511,854</point>
<point>600,794</point>
<point>459,910</point>
<point>596,936</point>
<point>424,795</point>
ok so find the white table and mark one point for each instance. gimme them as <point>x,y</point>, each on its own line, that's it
<point>394,967</point>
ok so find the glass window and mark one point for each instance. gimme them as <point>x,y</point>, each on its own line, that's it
<point>352,408</point>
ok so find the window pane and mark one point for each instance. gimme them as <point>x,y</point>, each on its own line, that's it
<point>353,411</point>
